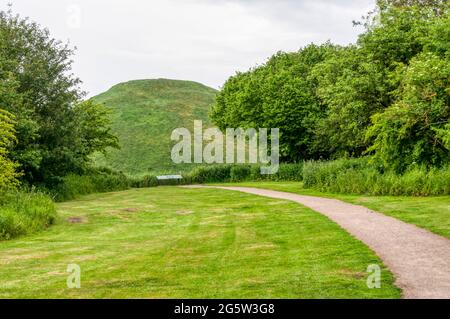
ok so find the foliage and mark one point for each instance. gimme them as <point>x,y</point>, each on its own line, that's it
<point>8,173</point>
<point>94,132</point>
<point>37,86</point>
<point>100,180</point>
<point>353,88</point>
<point>361,81</point>
<point>386,95</point>
<point>144,181</point>
<point>415,128</point>
<point>358,176</point>
<point>438,6</point>
<point>241,172</point>
<point>278,94</point>
<point>210,174</point>
<point>24,213</point>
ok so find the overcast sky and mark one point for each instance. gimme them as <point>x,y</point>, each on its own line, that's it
<point>199,40</point>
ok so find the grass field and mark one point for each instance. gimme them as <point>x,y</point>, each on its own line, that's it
<point>432,213</point>
<point>171,242</point>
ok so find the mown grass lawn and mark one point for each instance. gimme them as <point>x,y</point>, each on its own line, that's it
<point>432,213</point>
<point>170,242</point>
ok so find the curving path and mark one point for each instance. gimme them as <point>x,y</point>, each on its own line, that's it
<point>419,259</point>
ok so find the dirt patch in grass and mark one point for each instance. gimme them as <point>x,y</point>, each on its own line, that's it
<point>84,258</point>
<point>12,258</point>
<point>57,273</point>
<point>131,210</point>
<point>353,274</point>
<point>260,246</point>
<point>77,220</point>
<point>123,214</point>
<point>184,212</point>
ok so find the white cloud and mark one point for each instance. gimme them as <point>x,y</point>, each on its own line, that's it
<point>200,40</point>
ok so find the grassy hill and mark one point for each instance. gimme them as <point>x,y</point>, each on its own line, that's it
<point>144,114</point>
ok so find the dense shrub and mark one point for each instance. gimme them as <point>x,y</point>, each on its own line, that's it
<point>352,176</point>
<point>358,176</point>
<point>173,182</point>
<point>24,213</point>
<point>325,172</point>
<point>286,172</point>
<point>144,181</point>
<point>210,174</point>
<point>8,168</point>
<point>95,181</point>
<point>240,172</point>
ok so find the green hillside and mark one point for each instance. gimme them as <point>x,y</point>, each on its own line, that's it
<point>144,114</point>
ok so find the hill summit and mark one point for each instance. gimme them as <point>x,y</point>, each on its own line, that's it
<point>144,114</point>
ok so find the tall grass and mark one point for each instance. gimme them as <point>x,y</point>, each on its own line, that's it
<point>209,174</point>
<point>143,181</point>
<point>241,172</point>
<point>95,181</point>
<point>349,176</point>
<point>359,176</point>
<point>24,213</point>
<point>222,173</point>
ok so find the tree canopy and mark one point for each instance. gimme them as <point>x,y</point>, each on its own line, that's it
<point>280,94</point>
<point>387,95</point>
<point>52,124</point>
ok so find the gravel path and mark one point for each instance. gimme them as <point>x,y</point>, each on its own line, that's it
<point>419,259</point>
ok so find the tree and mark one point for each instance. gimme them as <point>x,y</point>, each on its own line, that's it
<point>93,130</point>
<point>279,94</point>
<point>352,88</point>
<point>8,174</point>
<point>386,96</point>
<point>438,6</point>
<point>415,128</point>
<point>38,87</point>
<point>359,81</point>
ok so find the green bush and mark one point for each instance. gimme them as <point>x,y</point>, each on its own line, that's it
<point>144,181</point>
<point>358,176</point>
<point>241,172</point>
<point>24,213</point>
<point>95,181</point>
<point>8,168</point>
<point>286,172</point>
<point>210,174</point>
<point>325,174</point>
